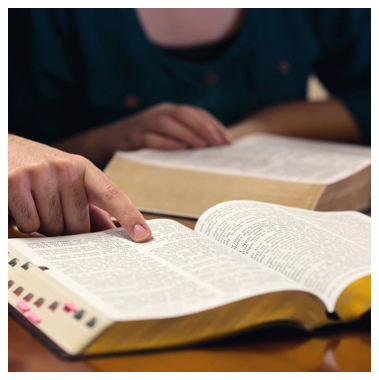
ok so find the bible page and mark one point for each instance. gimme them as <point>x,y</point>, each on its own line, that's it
<point>323,251</point>
<point>266,156</point>
<point>178,272</point>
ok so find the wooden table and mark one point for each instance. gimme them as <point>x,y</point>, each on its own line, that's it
<point>271,350</point>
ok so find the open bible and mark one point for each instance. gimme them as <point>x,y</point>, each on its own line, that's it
<point>246,265</point>
<point>293,172</point>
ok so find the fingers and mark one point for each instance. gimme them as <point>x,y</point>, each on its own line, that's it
<point>203,124</point>
<point>49,191</point>
<point>75,207</point>
<point>47,201</point>
<point>103,193</point>
<point>155,141</point>
<point>52,198</point>
<point>100,219</point>
<point>22,207</point>
<point>224,133</point>
<point>174,129</point>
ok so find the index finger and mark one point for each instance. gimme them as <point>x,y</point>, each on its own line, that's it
<point>103,193</point>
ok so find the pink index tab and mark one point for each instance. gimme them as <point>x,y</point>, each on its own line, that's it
<point>22,305</point>
<point>70,306</point>
<point>34,317</point>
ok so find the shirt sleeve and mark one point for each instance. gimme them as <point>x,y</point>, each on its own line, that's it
<point>41,80</point>
<point>345,65</point>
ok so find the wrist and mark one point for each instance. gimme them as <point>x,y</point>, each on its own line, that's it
<point>98,145</point>
<point>117,136</point>
<point>92,144</point>
<point>103,141</point>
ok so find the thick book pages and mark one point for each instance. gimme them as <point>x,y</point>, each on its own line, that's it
<point>323,251</point>
<point>282,170</point>
<point>246,265</point>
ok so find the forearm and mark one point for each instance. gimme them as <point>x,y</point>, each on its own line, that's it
<point>327,120</point>
<point>97,144</point>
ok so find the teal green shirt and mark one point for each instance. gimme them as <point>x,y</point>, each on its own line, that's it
<point>75,69</point>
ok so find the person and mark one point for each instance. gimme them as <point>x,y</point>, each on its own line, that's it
<point>92,81</point>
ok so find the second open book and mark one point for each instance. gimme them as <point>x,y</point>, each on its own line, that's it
<point>288,171</point>
<point>246,265</point>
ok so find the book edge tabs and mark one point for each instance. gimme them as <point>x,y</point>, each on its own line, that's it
<point>58,324</point>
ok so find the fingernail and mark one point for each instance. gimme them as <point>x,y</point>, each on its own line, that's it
<point>140,233</point>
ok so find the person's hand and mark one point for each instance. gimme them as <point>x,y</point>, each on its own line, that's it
<point>57,193</point>
<point>171,126</point>
<point>165,126</point>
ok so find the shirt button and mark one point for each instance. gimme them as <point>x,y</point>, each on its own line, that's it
<point>210,78</point>
<point>284,67</point>
<point>131,101</point>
